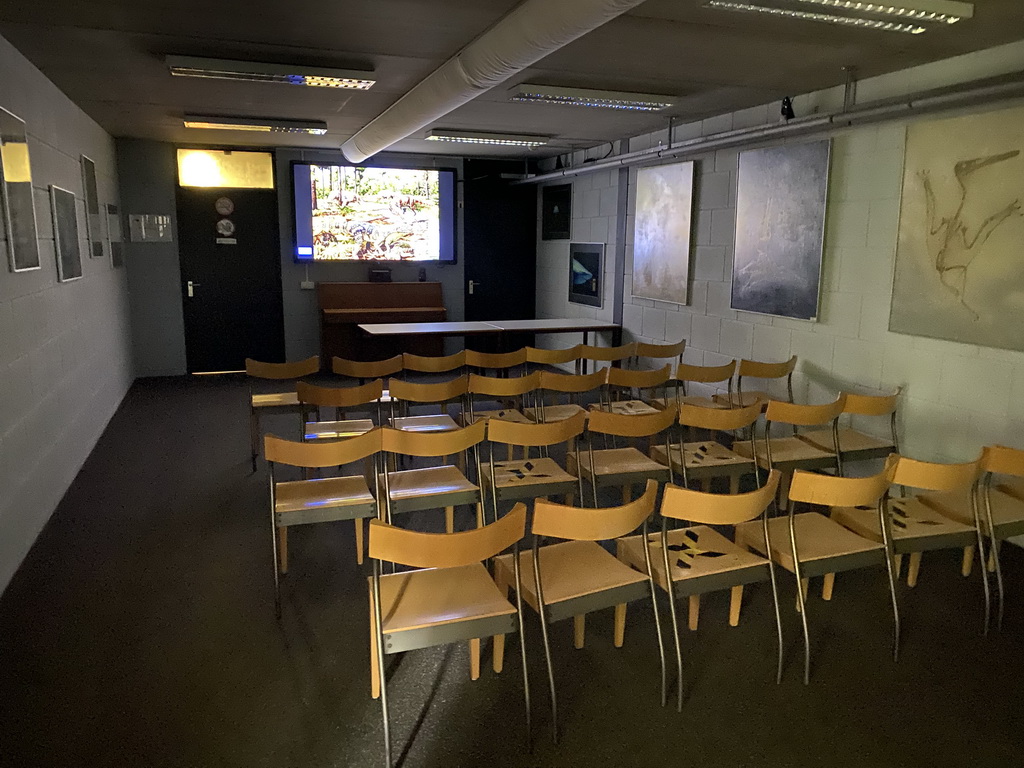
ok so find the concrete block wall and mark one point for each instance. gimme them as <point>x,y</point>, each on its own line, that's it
<point>65,348</point>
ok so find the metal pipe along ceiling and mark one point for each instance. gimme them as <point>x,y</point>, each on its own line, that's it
<point>527,34</point>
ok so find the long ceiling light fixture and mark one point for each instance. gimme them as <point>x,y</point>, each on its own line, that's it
<point>480,137</point>
<point>909,16</point>
<point>586,97</point>
<point>268,125</point>
<point>261,72</point>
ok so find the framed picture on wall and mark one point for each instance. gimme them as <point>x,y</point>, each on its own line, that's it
<point>114,236</point>
<point>661,232</point>
<point>556,212</point>
<point>586,274</point>
<point>93,218</point>
<point>65,234</point>
<point>17,207</point>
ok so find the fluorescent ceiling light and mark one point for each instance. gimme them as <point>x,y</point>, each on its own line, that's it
<point>230,69</point>
<point>587,97</point>
<point>479,137</point>
<point>908,16</point>
<point>268,125</point>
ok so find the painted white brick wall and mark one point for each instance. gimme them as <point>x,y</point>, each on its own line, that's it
<point>65,348</point>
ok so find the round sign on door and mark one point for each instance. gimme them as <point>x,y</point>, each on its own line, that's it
<point>225,206</point>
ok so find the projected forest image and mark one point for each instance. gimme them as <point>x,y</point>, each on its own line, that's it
<point>375,213</point>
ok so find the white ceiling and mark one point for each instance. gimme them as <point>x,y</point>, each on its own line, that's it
<point>107,56</point>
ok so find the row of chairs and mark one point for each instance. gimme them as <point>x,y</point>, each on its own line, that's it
<point>451,594</point>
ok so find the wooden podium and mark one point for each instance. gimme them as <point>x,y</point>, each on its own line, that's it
<point>344,305</point>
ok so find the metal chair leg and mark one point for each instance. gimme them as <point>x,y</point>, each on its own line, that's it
<point>775,599</point>
<point>254,435</point>
<point>380,667</point>
<point>654,607</point>
<point>883,521</point>
<point>799,599</point>
<point>547,643</point>
<point>675,620</point>
<point>522,646</point>
<point>994,555</point>
<point>983,561</point>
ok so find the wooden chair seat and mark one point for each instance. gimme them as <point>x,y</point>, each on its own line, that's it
<point>1007,511</point>
<point>704,459</point>
<point>430,488</point>
<point>916,527</point>
<point>505,414</point>
<point>825,546</point>
<point>553,412</point>
<point>276,400</point>
<point>436,423</point>
<point>542,471</point>
<point>570,570</point>
<point>789,452</point>
<point>853,445</point>
<point>700,402</point>
<point>619,463</point>
<point>628,407</point>
<point>741,399</point>
<point>315,501</point>
<point>336,430</point>
<point>711,561</point>
<point>430,597</point>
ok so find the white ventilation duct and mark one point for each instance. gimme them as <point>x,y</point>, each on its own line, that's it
<point>530,32</point>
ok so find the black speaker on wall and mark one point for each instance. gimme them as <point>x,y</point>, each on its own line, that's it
<point>556,212</point>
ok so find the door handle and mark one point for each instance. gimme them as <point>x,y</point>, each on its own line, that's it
<point>472,286</point>
<point>191,286</point>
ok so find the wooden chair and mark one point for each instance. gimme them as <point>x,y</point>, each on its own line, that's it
<point>550,357</point>
<point>444,364</point>
<point>752,369</point>
<point>917,527</point>
<point>660,351</point>
<point>999,504</point>
<point>365,397</point>
<point>809,544</point>
<point>534,476</point>
<point>701,374</point>
<point>274,402</point>
<point>512,391</point>
<point>707,459</point>
<point>364,371</point>
<point>621,384</point>
<point>497,361</point>
<point>614,356</point>
<point>789,453</point>
<point>449,597</point>
<point>705,560</point>
<point>406,393</point>
<point>622,467</point>
<point>572,386</point>
<point>444,486</point>
<point>577,575</point>
<point>321,500</point>
<point>858,446</point>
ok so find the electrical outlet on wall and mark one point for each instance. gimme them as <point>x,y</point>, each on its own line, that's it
<point>307,285</point>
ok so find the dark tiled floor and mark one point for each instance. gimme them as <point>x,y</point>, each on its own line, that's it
<point>140,632</point>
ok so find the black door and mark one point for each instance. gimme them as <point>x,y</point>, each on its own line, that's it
<point>231,277</point>
<point>500,244</point>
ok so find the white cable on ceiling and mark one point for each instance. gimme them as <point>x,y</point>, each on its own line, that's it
<point>531,31</point>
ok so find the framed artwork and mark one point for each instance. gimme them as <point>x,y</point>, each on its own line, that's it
<point>780,229</point>
<point>114,236</point>
<point>661,233</point>
<point>65,234</point>
<point>556,212</point>
<point>586,274</point>
<point>93,218</point>
<point>959,271</point>
<point>17,207</point>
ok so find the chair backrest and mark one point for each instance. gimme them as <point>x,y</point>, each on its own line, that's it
<point>832,491</point>
<point>553,356</point>
<point>433,364</point>
<point>426,444</point>
<point>718,508</point>
<point>721,419</point>
<point>631,425</point>
<point>358,369</point>
<point>608,354</point>
<point>932,476</point>
<point>705,374</point>
<point>1002,460</point>
<point>340,397</point>
<point>759,370</point>
<point>322,453</point>
<point>571,382</point>
<point>624,377</point>
<point>588,524</point>
<point>446,550</point>
<point>438,392</point>
<point>496,360</point>
<point>295,370</point>
<point>871,405</point>
<point>804,415</point>
<point>496,387</point>
<point>660,351</point>
<point>536,435</point>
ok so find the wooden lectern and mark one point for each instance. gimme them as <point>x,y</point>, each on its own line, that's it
<point>344,305</point>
